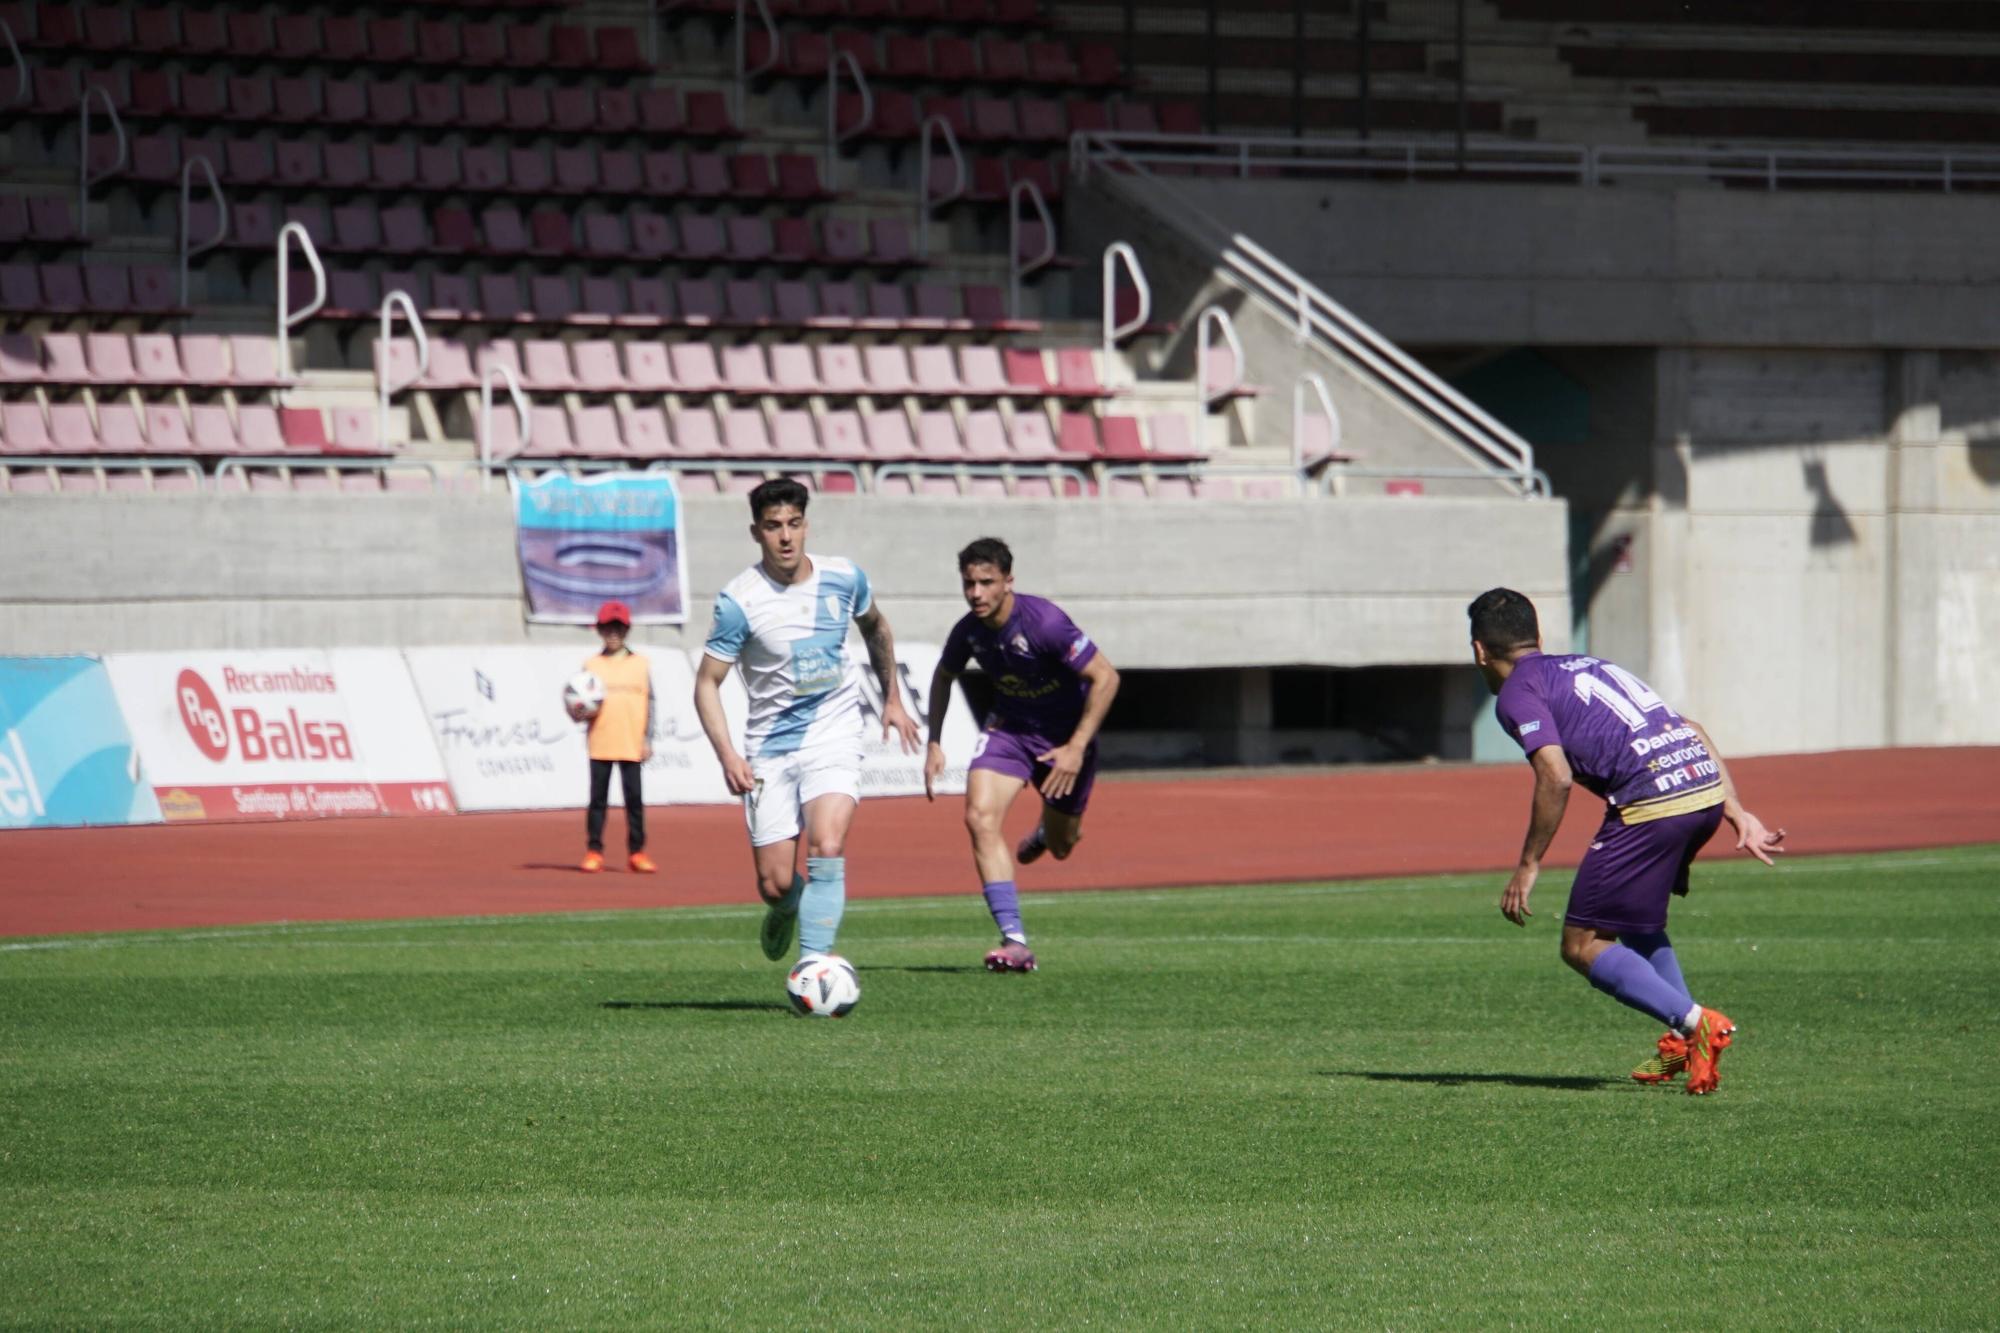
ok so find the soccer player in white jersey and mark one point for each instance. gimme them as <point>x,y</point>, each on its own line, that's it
<point>784,622</point>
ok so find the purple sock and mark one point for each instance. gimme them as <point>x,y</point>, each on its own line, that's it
<point>1629,979</point>
<point>1658,951</point>
<point>1005,903</point>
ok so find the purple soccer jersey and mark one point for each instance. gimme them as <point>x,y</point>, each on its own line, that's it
<point>1036,661</point>
<point>1623,741</point>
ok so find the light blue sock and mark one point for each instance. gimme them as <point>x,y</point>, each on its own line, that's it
<point>821,903</point>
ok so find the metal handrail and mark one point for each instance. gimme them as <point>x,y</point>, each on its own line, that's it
<point>959,186</point>
<point>1320,320</point>
<point>1586,164</point>
<point>835,136</point>
<point>288,317</point>
<point>1213,317</point>
<point>714,467</point>
<point>320,463</point>
<point>1316,382</point>
<point>1115,253</point>
<point>84,179</point>
<point>1052,468</point>
<point>743,73</point>
<point>1535,484</point>
<point>1016,269</point>
<point>384,390</point>
<point>23,84</point>
<point>102,463</point>
<point>513,383</point>
<point>188,249</point>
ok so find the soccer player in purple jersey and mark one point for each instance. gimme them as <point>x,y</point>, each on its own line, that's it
<point>1052,689</point>
<point>1665,790</point>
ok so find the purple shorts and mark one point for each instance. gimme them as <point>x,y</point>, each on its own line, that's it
<point>1631,869</point>
<point>1013,753</point>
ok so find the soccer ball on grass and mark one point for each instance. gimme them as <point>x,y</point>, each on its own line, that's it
<point>824,985</point>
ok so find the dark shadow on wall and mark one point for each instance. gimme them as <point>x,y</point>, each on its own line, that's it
<point>1830,524</point>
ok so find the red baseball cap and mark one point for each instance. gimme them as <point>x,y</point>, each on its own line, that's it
<point>615,613</point>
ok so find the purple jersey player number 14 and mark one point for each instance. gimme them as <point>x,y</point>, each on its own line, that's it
<point>1623,741</point>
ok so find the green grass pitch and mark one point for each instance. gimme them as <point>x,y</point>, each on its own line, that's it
<point>1348,1105</point>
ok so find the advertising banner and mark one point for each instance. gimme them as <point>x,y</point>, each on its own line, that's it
<point>885,769</point>
<point>305,734</point>
<point>610,536</point>
<point>498,717</point>
<point>66,757</point>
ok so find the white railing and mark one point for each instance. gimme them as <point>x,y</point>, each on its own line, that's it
<point>960,181</point>
<point>836,136</point>
<point>288,318</point>
<point>743,71</point>
<point>384,388</point>
<point>506,376</point>
<point>1018,268</point>
<point>1116,253</point>
<point>1215,317</point>
<point>1319,320</point>
<point>1265,156</point>
<point>23,84</point>
<point>84,177</point>
<point>1303,455</point>
<point>188,248</point>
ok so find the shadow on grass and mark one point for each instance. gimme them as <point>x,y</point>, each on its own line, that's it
<point>932,967</point>
<point>713,1006</point>
<point>1559,1082</point>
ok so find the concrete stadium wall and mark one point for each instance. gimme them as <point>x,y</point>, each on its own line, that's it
<point>1441,264</point>
<point>1333,583</point>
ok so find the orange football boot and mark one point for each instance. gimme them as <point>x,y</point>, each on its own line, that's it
<point>641,864</point>
<point>1668,1064</point>
<point>592,863</point>
<point>1705,1045</point>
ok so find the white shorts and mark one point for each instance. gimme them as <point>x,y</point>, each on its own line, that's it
<point>787,783</point>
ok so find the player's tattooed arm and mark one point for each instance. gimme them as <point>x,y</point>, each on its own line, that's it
<point>1553,779</point>
<point>1751,835</point>
<point>881,641</point>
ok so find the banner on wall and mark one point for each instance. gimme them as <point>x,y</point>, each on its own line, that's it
<point>66,757</point>
<point>280,735</point>
<point>885,769</point>
<point>610,536</point>
<point>498,718</point>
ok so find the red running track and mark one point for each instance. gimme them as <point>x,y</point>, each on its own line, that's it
<point>1141,833</point>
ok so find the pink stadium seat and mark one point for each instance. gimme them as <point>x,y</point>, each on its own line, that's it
<point>166,429</point>
<point>700,301</point>
<point>696,433</point>
<point>64,360</point>
<point>644,430</point>
<point>258,429</point>
<point>1173,436</point>
<point>937,436</point>
<point>343,39</point>
<point>840,369</point>
<point>20,287</point>
<point>1135,118</point>
<point>391,104</point>
<point>20,358</point>
<point>619,172</point>
<point>109,356</point>
<point>1030,435</point>
<point>451,297</point>
<point>391,166</point>
<point>1076,435</point>
<point>119,428</point>
<point>889,307</point>
<point>295,101</point>
<point>708,116</point>
<point>205,359</point>
<point>750,176</point>
<point>935,374</point>
<point>545,366</point>
<point>253,359</point>
<point>550,234</point>
<point>707,175</point>
<point>647,368</point>
<point>23,429</point>
<point>743,370</point>
<point>842,435</point>
<point>744,432</point>
<point>602,300</point>
<point>504,352</point>
<point>549,430</point>
<point>694,367</point>
<point>432,105</point>
<point>62,288</point>
<point>980,371</point>
<point>702,237</point>
<point>527,109</point>
<point>390,43</point>
<point>889,438</point>
<point>653,236</point>
<point>652,300</point>
<point>840,303</point>
<point>748,302</point>
<point>213,432</point>
<point>500,229</point>
<point>750,240</point>
<point>844,241</point>
<point>888,369</point>
<point>596,367</point>
<point>594,429</point>
<point>346,166</point>
<point>794,433</point>
<point>499,297</point>
<point>527,171</point>
<point>792,370</point>
<point>304,428</point>
<point>573,111</point>
<point>106,288</point>
<point>1121,439</point>
<point>986,437</point>
<point>1221,369</point>
<point>1076,373</point>
<point>1027,372</point>
<point>575,170</point>
<point>451,366</point>
<point>482,106</point>
<point>617,110</point>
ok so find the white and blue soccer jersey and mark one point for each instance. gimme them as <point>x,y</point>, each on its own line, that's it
<point>791,643</point>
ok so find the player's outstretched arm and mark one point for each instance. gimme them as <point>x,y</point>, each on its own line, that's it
<point>1552,783</point>
<point>708,679</point>
<point>1751,835</point>
<point>881,641</point>
<point>1066,760</point>
<point>934,756</point>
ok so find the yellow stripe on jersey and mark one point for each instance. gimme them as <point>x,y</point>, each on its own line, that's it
<point>1664,807</point>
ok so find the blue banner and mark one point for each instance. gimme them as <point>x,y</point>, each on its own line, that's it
<point>611,536</point>
<point>66,756</point>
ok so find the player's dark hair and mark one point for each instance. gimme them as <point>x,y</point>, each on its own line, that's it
<point>777,491</point>
<point>1504,620</point>
<point>987,551</point>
